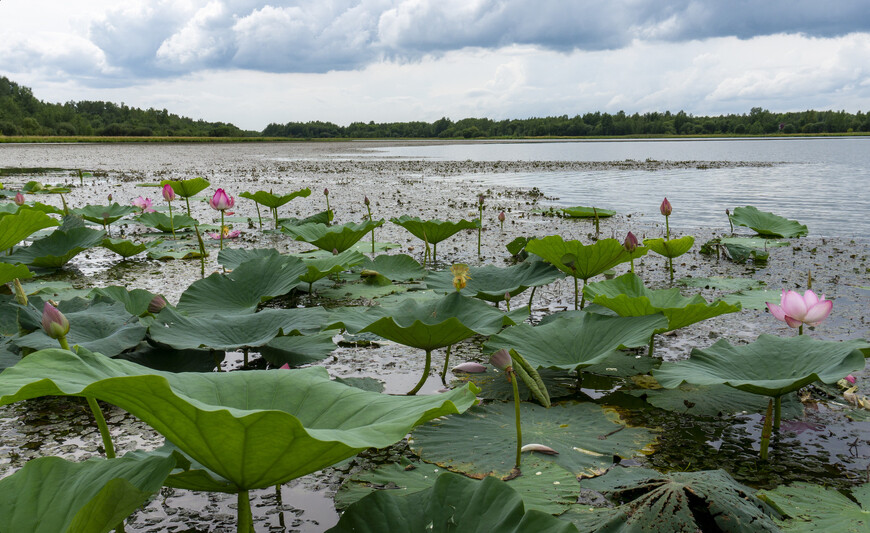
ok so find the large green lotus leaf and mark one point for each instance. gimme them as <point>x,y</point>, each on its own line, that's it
<point>331,238</point>
<point>187,188</point>
<point>174,251</point>
<point>8,355</point>
<point>754,298</point>
<point>716,401</point>
<point>587,212</point>
<point>333,264</point>
<point>628,296</point>
<point>575,341</point>
<point>168,359</point>
<point>765,223</point>
<point>672,248</point>
<point>51,494</point>
<point>273,201</point>
<point>399,267</point>
<point>725,284</point>
<point>105,214</point>
<point>490,282</point>
<point>770,366</point>
<point>11,272</point>
<point>453,503</point>
<point>256,428</point>
<point>15,228</point>
<point>298,350</point>
<point>815,508</point>
<point>228,332</point>
<point>135,301</point>
<point>243,289</point>
<point>162,222</point>
<point>589,260</point>
<point>483,440</point>
<point>493,384</point>
<point>683,502</point>
<point>546,487</point>
<point>433,231</point>
<point>58,248</point>
<point>623,365</point>
<point>188,473</point>
<point>231,258</point>
<point>431,324</point>
<point>322,217</point>
<point>126,248</point>
<point>104,327</point>
<point>360,291</point>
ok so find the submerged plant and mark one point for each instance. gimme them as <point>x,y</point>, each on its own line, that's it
<point>796,310</point>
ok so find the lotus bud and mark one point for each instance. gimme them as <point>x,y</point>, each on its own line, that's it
<point>470,367</point>
<point>851,379</point>
<point>630,243</point>
<point>501,217</point>
<point>221,201</point>
<point>54,323</point>
<point>665,208</point>
<point>168,193</point>
<point>157,303</point>
<point>20,295</point>
<point>366,200</point>
<point>110,197</point>
<point>539,448</point>
<point>501,360</point>
<point>727,212</point>
<point>325,191</point>
<point>19,199</point>
<point>480,199</point>
<point>335,251</point>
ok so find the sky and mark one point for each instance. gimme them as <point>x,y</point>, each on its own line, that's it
<point>252,63</point>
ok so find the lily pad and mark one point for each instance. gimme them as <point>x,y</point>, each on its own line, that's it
<point>716,401</point>
<point>162,222</point>
<point>770,366</point>
<point>490,283</point>
<point>231,258</point>
<point>572,342</point>
<point>587,212</point>
<point>126,248</point>
<point>15,228</point>
<point>51,494</point>
<point>256,429</point>
<point>298,350</point>
<point>329,238</point>
<point>453,503</point>
<point>584,261</point>
<point>814,508</point>
<point>765,223</point>
<point>57,249</point>
<point>163,253</point>
<point>104,214</point>
<point>433,231</point>
<point>671,248</point>
<point>399,267</point>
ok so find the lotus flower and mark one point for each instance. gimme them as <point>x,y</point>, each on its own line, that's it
<point>796,310</point>
<point>221,201</point>
<point>460,275</point>
<point>19,199</point>
<point>144,204</point>
<point>665,208</point>
<point>168,193</point>
<point>54,323</point>
<point>225,234</point>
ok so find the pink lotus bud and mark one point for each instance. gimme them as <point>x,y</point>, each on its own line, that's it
<point>110,197</point>
<point>156,304</point>
<point>19,199</point>
<point>221,200</point>
<point>630,243</point>
<point>480,199</point>
<point>54,323</point>
<point>665,208</point>
<point>366,200</point>
<point>502,360</point>
<point>168,193</point>
<point>501,217</point>
<point>325,191</point>
<point>851,379</point>
<point>507,296</point>
<point>470,367</point>
<point>540,448</point>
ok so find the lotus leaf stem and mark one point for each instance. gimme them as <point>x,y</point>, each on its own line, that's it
<point>245,355</point>
<point>420,383</point>
<point>201,250</point>
<point>777,412</point>
<point>479,229</point>
<point>597,228</point>
<point>576,296</point>
<point>513,379</point>
<point>444,371</point>
<point>222,230</point>
<point>107,439</point>
<point>766,430</point>
<point>259,216</point>
<point>369,207</point>
<point>652,345</point>
<point>801,329</point>
<point>245,522</point>
<point>187,201</point>
<point>532,296</point>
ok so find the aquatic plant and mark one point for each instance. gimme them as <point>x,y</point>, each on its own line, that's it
<point>104,214</point>
<point>221,201</point>
<point>433,231</point>
<point>670,248</point>
<point>491,283</point>
<point>329,238</point>
<point>143,204</point>
<point>187,188</point>
<point>503,361</point>
<point>765,223</point>
<point>796,310</point>
<point>273,202</point>
<point>169,195</point>
<point>57,248</point>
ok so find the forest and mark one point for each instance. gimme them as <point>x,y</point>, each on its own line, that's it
<point>22,114</point>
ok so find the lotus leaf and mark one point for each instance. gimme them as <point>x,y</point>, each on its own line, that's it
<point>104,214</point>
<point>15,228</point>
<point>163,253</point>
<point>333,264</point>
<point>490,283</point>
<point>51,494</point>
<point>399,267</point>
<point>572,342</point>
<point>582,433</point>
<point>8,353</point>
<point>10,272</point>
<point>164,224</point>
<point>231,258</point>
<point>243,289</point>
<point>765,223</point>
<point>433,231</point>
<point>256,429</point>
<point>323,217</point>
<point>331,238</point>
<point>298,350</point>
<point>98,326</point>
<point>628,296</point>
<point>34,187</point>
<point>587,212</point>
<point>671,248</point>
<point>273,201</point>
<point>57,249</point>
<point>168,359</point>
<point>681,501</point>
<point>135,301</point>
<point>725,284</point>
<point>126,248</point>
<point>715,401</point>
<point>493,384</point>
<point>815,508</point>
<point>358,291</point>
<point>754,298</point>
<point>187,188</point>
<point>588,261</point>
<point>453,503</point>
<point>770,366</point>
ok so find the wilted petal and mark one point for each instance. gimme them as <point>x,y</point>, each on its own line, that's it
<point>539,448</point>
<point>819,312</point>
<point>470,367</point>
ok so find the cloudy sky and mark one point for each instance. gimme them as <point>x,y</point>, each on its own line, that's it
<point>253,62</point>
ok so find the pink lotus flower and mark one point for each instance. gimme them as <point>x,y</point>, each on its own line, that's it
<point>168,193</point>
<point>144,204</point>
<point>19,199</point>
<point>225,234</point>
<point>221,200</point>
<point>796,310</point>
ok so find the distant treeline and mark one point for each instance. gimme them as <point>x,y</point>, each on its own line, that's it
<point>22,114</point>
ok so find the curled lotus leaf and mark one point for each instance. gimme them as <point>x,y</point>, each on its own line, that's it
<point>586,260</point>
<point>770,366</point>
<point>765,223</point>
<point>670,248</point>
<point>135,301</point>
<point>581,211</point>
<point>187,188</point>
<point>56,249</point>
<point>105,214</point>
<point>255,429</point>
<point>433,231</point>
<point>329,238</point>
<point>321,267</point>
<point>490,282</point>
<point>274,201</point>
<point>15,228</point>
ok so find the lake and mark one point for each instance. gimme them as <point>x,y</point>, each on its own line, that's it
<point>821,182</point>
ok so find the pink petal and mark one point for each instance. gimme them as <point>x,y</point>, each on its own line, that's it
<point>819,312</point>
<point>470,367</point>
<point>851,379</point>
<point>810,299</point>
<point>792,322</point>
<point>539,448</point>
<point>776,311</point>
<point>285,366</point>
<point>794,306</point>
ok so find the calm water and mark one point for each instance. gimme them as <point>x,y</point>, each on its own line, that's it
<point>821,182</point>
